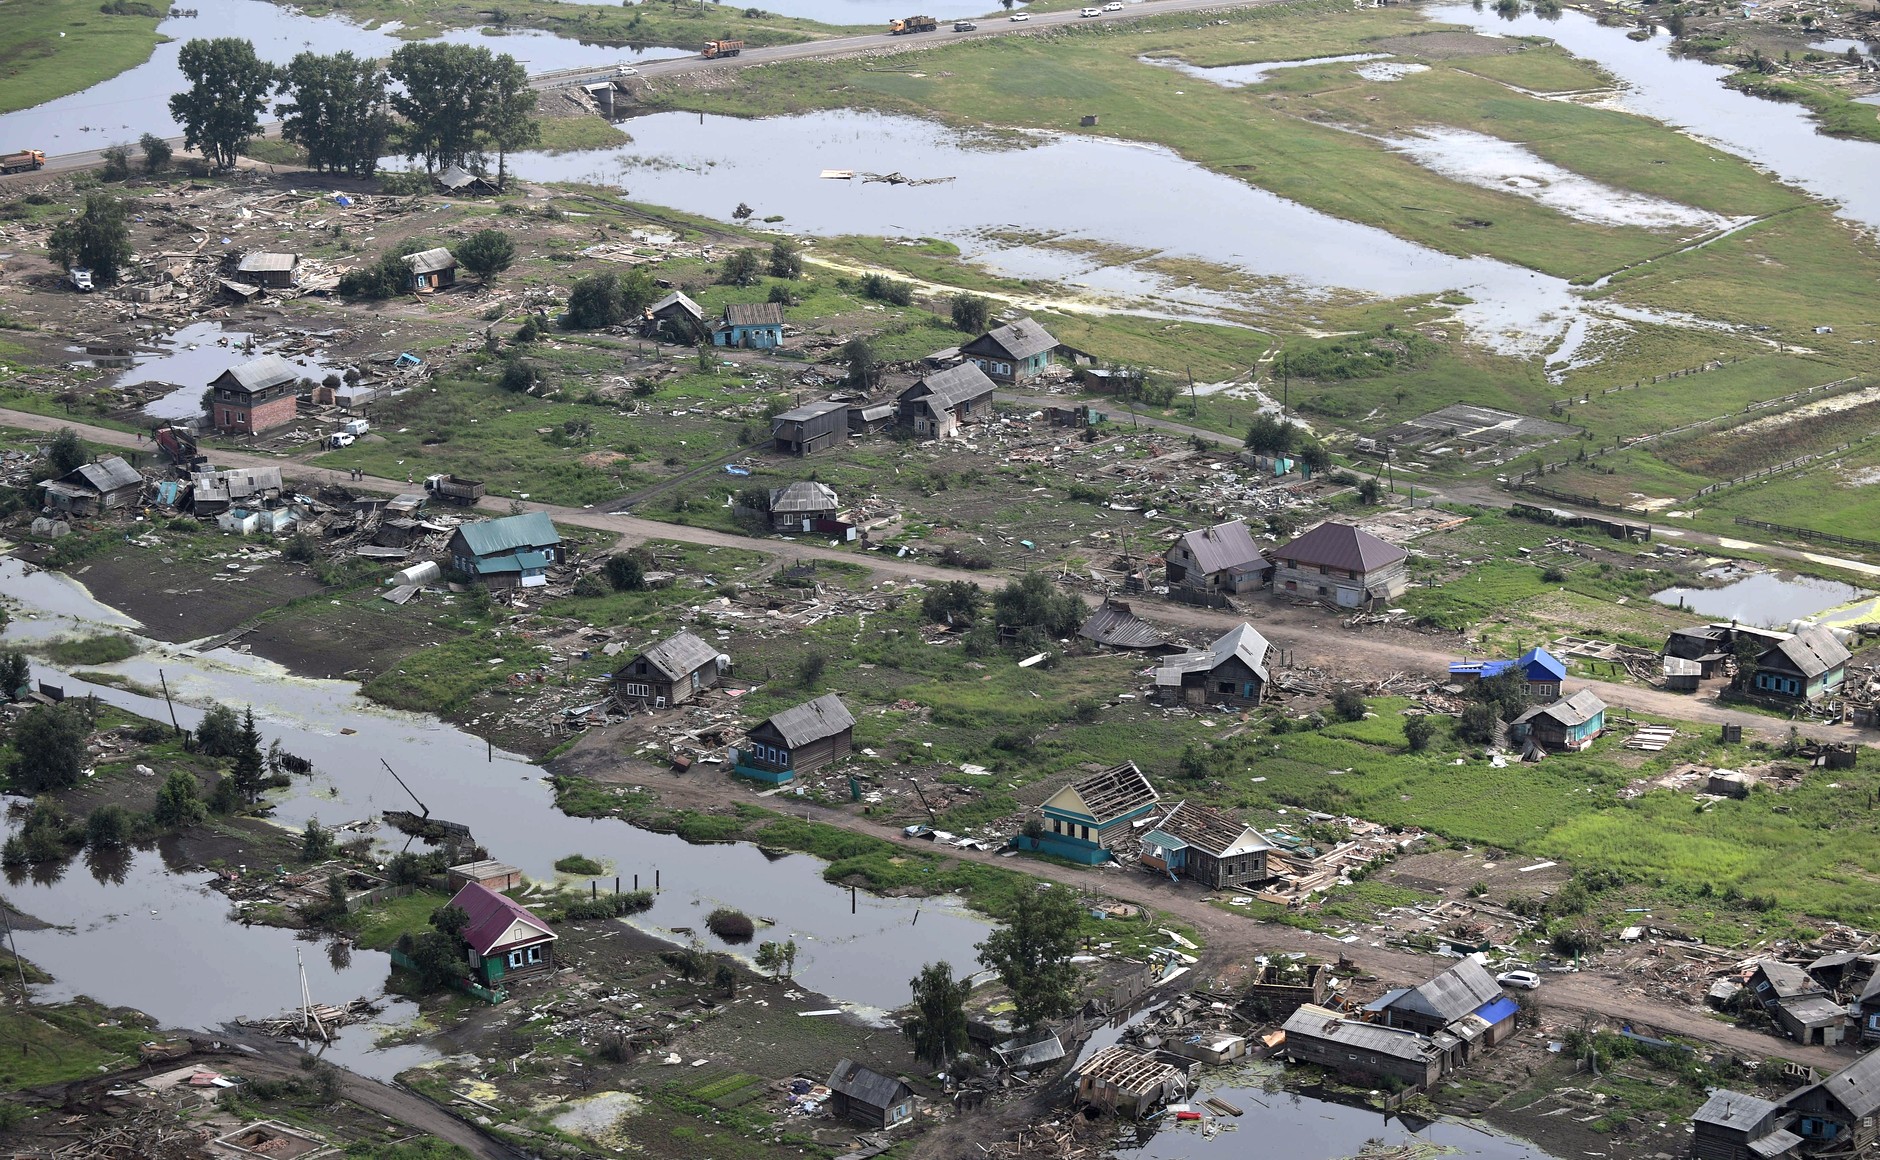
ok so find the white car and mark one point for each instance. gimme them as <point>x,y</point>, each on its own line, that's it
<point>1526,980</point>
<point>1113,6</point>
<point>1021,16</point>
<point>626,71</point>
<point>339,439</point>
<point>1091,12</point>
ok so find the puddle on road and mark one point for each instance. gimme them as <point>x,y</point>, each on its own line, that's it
<point>1492,163</point>
<point>1763,600</point>
<point>192,357</point>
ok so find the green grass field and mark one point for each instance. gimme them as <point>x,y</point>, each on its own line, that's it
<point>52,48</point>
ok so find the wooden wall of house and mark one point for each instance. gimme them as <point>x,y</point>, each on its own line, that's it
<point>822,751</point>
<point>1341,1058</point>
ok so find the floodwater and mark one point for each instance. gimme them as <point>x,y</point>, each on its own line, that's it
<point>1839,45</point>
<point>136,101</point>
<point>1004,189</point>
<point>1303,1127</point>
<point>863,960</point>
<point>192,357</point>
<point>1509,167</point>
<point>1238,76</point>
<point>1764,599</point>
<point>1689,95</point>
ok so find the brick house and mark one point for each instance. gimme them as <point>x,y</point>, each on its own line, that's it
<point>255,396</point>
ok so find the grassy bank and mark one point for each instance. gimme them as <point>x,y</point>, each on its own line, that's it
<point>52,48</point>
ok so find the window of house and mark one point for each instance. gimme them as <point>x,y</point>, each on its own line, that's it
<point>515,958</point>
<point>634,690</point>
<point>1323,590</point>
<point>1292,585</point>
<point>1227,686</point>
<point>535,954</point>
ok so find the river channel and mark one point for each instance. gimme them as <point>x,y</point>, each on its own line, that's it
<point>863,959</point>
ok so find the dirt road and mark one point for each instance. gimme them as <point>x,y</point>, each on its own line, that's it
<point>1316,635</point>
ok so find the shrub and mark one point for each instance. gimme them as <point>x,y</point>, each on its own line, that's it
<point>734,926</point>
<point>578,864</point>
<point>1348,704</point>
<point>386,278</point>
<point>1418,732</point>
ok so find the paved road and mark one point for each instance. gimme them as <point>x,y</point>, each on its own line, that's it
<point>1317,632</point>
<point>874,42</point>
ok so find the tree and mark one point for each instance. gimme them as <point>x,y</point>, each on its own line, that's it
<point>625,573</point>
<point>1314,456</point>
<point>316,842</point>
<point>114,163</point>
<point>437,98</point>
<point>1418,731</point>
<point>777,958</point>
<point>809,668</point>
<point>450,920</point>
<point>338,112</point>
<point>786,259</point>
<point>741,268</point>
<point>385,278</point>
<point>858,354</point>
<point>1369,491</point>
<point>1506,691</point>
<point>486,253</point>
<point>1270,435</point>
<point>1348,704</point>
<point>938,1026</point>
<point>219,732</point>
<point>606,299</point>
<point>98,238</point>
<point>249,771</point>
<point>954,602</point>
<point>437,959</point>
<point>1748,651</point>
<point>1480,725</point>
<point>1032,601</point>
<point>971,313</point>
<point>16,673</point>
<point>1193,763</point>
<point>519,374</point>
<point>179,801</point>
<point>228,89</point>
<point>107,827</point>
<point>725,978</point>
<point>48,749</point>
<point>66,453</point>
<point>509,125</point>
<point>1032,953</point>
<point>157,153</point>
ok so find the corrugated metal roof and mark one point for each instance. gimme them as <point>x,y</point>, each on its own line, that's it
<point>1856,1086</point>
<point>1115,625</point>
<point>808,411</point>
<point>262,262</point>
<point>431,261</point>
<point>108,474</point>
<point>1341,546</point>
<point>680,654</point>
<point>1456,992</point>
<point>1812,652</point>
<point>1547,662</point>
<point>1244,642</point>
<point>492,914</point>
<point>1222,547</point>
<point>949,388</point>
<point>1311,1021</point>
<point>528,530</point>
<point>1578,709</point>
<point>804,497</point>
<point>826,716</point>
<point>1015,340</point>
<point>1787,980</point>
<point>258,374</point>
<point>676,299</point>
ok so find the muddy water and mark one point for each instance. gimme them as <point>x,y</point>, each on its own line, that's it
<point>1005,188</point>
<point>1764,600</point>
<point>192,357</point>
<point>1301,1127</point>
<point>1689,95</point>
<point>137,101</point>
<point>864,959</point>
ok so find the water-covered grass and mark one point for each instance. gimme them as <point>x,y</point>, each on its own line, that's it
<point>52,48</point>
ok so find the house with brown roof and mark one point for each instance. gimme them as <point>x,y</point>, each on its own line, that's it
<point>1222,558</point>
<point>1012,353</point>
<point>1205,845</point>
<point>1341,565</point>
<point>751,325</point>
<point>503,938</point>
<point>797,740</point>
<point>670,673</point>
<point>1088,819</point>
<point>937,405</point>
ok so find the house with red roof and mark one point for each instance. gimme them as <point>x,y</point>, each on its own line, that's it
<point>504,938</point>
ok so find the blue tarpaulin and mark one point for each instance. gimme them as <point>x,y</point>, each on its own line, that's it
<point>1495,1010</point>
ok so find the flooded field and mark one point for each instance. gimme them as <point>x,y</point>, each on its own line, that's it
<point>863,959</point>
<point>1764,599</point>
<point>192,357</point>
<point>137,101</point>
<point>1001,191</point>
<point>1239,76</point>
<point>1689,95</point>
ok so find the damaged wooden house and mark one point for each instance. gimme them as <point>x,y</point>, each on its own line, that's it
<point>90,488</point>
<point>1089,820</point>
<point>1205,845</point>
<point>511,552</point>
<point>670,673</point>
<point>1231,671</point>
<point>864,1096</point>
<point>1341,565</point>
<point>797,740</point>
<point>1128,1081</point>
<point>1219,559</point>
<point>938,405</point>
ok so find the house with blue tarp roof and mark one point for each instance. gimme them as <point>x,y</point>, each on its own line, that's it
<point>1541,672</point>
<point>512,552</point>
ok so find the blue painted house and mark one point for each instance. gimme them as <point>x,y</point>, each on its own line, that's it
<point>1013,353</point>
<point>1806,667</point>
<point>512,552</point>
<point>1570,723</point>
<point>796,740</point>
<point>1087,819</point>
<point>752,325</point>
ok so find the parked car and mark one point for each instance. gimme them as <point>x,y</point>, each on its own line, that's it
<point>964,26</point>
<point>80,278</point>
<point>1021,16</point>
<point>1091,12</point>
<point>339,439</point>
<point>1526,980</point>
<point>1113,6</point>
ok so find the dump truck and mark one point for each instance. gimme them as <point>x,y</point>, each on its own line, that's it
<point>454,489</point>
<point>22,161</point>
<point>913,24</point>
<point>717,48</point>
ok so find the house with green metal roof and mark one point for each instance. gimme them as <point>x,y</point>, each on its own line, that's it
<point>512,552</point>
